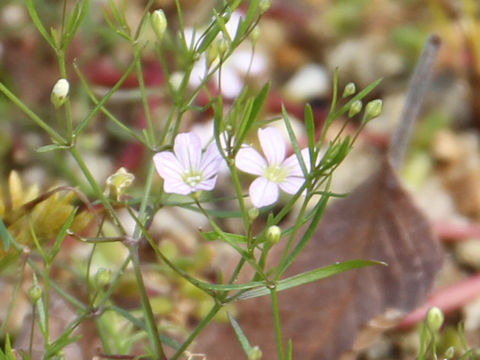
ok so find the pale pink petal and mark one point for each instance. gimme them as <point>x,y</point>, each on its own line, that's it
<point>207,184</point>
<point>188,150</point>
<point>292,184</point>
<point>263,192</point>
<point>175,186</point>
<point>273,145</point>
<point>250,161</point>
<point>167,165</point>
<point>211,161</point>
<point>293,166</point>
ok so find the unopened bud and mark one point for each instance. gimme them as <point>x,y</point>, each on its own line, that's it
<point>434,319</point>
<point>159,23</point>
<point>355,108</point>
<point>349,89</point>
<point>273,234</point>
<point>253,213</point>
<point>449,353</point>
<point>255,353</point>
<point>264,5</point>
<point>35,293</point>
<point>59,93</point>
<point>117,183</point>
<point>255,34</point>
<point>373,109</point>
<point>103,277</point>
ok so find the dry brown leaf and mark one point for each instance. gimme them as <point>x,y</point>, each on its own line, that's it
<point>377,221</point>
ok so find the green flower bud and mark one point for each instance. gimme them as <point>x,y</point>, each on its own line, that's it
<point>117,183</point>
<point>273,234</point>
<point>159,23</point>
<point>449,353</point>
<point>373,109</point>
<point>35,293</point>
<point>103,277</point>
<point>253,213</point>
<point>255,34</point>
<point>355,108</point>
<point>434,319</point>
<point>264,5</point>
<point>59,93</point>
<point>349,89</point>
<point>255,353</point>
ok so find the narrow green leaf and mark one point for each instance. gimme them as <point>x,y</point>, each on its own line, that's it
<point>212,235</point>
<point>310,276</point>
<point>62,233</point>
<point>38,23</point>
<point>242,338</point>
<point>310,128</point>
<point>293,140</point>
<point>51,147</point>
<point>5,235</point>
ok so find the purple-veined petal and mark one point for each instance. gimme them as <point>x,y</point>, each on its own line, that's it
<point>175,186</point>
<point>273,145</point>
<point>188,150</point>
<point>293,165</point>
<point>263,192</point>
<point>250,161</point>
<point>207,184</point>
<point>167,165</point>
<point>211,161</point>
<point>292,184</point>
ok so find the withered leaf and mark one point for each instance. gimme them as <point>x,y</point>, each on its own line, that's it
<point>378,221</point>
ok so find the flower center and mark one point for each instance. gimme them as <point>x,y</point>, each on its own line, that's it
<point>192,178</point>
<point>276,173</point>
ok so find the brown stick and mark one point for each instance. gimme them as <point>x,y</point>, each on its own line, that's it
<point>413,103</point>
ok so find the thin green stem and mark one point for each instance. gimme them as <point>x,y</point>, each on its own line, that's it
<point>153,334</point>
<point>144,98</point>
<point>205,321</point>
<point>276,319</point>
<point>55,136</point>
<point>96,189</point>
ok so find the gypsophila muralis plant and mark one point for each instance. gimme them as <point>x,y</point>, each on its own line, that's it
<point>180,169</point>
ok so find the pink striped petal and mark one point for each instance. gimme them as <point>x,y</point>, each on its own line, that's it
<point>188,150</point>
<point>273,145</point>
<point>250,161</point>
<point>263,192</point>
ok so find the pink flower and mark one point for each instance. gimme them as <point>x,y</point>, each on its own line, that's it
<point>274,171</point>
<point>187,169</point>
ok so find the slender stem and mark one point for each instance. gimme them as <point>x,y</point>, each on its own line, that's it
<point>147,309</point>
<point>96,189</point>
<point>276,319</point>
<point>416,92</point>
<point>55,136</point>
<point>213,311</point>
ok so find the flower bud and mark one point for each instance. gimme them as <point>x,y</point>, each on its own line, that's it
<point>255,34</point>
<point>355,108</point>
<point>35,293</point>
<point>349,89</point>
<point>449,353</point>
<point>253,213</point>
<point>59,93</point>
<point>159,23</point>
<point>273,234</point>
<point>103,277</point>
<point>255,353</point>
<point>117,183</point>
<point>373,109</point>
<point>434,319</point>
<point>264,5</point>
